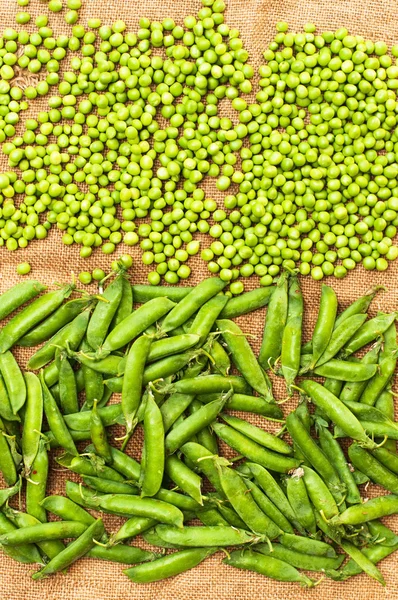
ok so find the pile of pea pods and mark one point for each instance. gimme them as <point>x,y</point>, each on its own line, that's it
<point>276,505</point>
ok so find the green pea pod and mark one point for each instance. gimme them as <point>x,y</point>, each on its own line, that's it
<point>203,462</point>
<point>374,553</point>
<point>337,411</point>
<point>382,533</point>
<point>67,510</point>
<point>56,530</point>
<point>376,508</point>
<point>319,494</point>
<point>37,483</point>
<point>254,452</point>
<point>113,364</point>
<point>361,559</point>
<point>168,566</point>
<point>56,421</point>
<point>184,478</point>
<point>153,452</point>
<point>67,387</point>
<point>268,566</point>
<point>222,362</point>
<point>258,435</point>
<point>243,357</point>
<point>121,553</point>
<point>81,421</point>
<point>325,323</point>
<point>173,407</point>
<point>133,379</point>
<point>385,403</point>
<point>14,381</point>
<point>352,391</point>
<point>209,384</point>
<point>32,420</point>
<point>369,331</point>
<point>306,545</point>
<point>299,560</point>
<point>268,508</point>
<point>375,470</point>
<point>377,423</point>
<point>205,536</point>
<point>17,295</point>
<point>335,454</point>
<point>346,370</point>
<point>104,312</point>
<point>387,457</point>
<point>291,339</point>
<point>93,381</point>
<point>24,521</point>
<point>88,466</point>
<point>75,550</point>
<point>125,307</point>
<point>124,464</point>
<point>340,336</point>
<point>131,528</point>
<point>211,517</point>
<point>386,368</point>
<point>183,432</point>
<point>247,302</point>
<point>135,324</point>
<point>275,322</point>
<point>7,463</point>
<point>6,412</point>
<point>167,346</point>
<point>191,303</point>
<point>333,385</point>
<point>359,306</point>
<point>151,537</point>
<point>98,435</point>
<point>145,293</point>
<point>7,493</point>
<point>35,312</point>
<point>252,404</point>
<point>127,505</point>
<point>207,316</point>
<point>25,553</point>
<point>58,319</point>
<point>205,436</point>
<point>108,486</point>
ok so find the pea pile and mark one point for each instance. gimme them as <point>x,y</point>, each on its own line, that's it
<point>134,131</point>
<point>288,503</point>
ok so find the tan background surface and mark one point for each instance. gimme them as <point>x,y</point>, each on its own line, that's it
<point>51,261</point>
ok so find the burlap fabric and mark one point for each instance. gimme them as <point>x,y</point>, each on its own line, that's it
<point>52,261</point>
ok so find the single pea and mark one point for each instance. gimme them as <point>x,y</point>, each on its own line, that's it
<point>85,277</point>
<point>98,274</point>
<point>23,268</point>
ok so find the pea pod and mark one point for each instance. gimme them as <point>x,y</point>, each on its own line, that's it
<point>88,466</point>
<point>352,391</point>
<point>385,403</point>
<point>205,536</point>
<point>268,508</point>
<point>14,381</point>
<point>56,530</point>
<point>126,505</point>
<point>209,384</point>
<point>56,421</point>
<point>93,381</point>
<point>6,412</point>
<point>305,545</point>
<point>104,312</point>
<point>75,550</point>
<point>25,553</point>
<point>173,407</point>
<point>291,340</point>
<point>299,560</point>
<point>131,528</point>
<point>275,322</point>
<point>36,485</point>
<point>133,379</point>
<point>7,463</point>
<point>268,566</point>
<point>375,470</point>
<point>32,420</point>
<point>24,521</point>
<point>243,357</point>
<point>168,566</point>
<point>359,306</point>
<point>98,435</point>
<point>203,462</point>
<point>340,336</point>
<point>207,316</point>
<point>254,452</point>
<point>376,508</point>
<point>81,421</point>
<point>258,435</point>
<point>35,312</point>
<point>252,404</point>
<point>135,324</point>
<point>369,331</point>
<point>121,553</point>
<point>68,397</point>
<point>174,345</point>
<point>386,368</point>
<point>299,501</point>
<point>319,494</point>
<point>374,553</point>
<point>153,452</point>
<point>247,302</point>
<point>62,316</point>
<point>206,437</point>
<point>362,560</point>
<point>346,370</point>
<point>67,510</point>
<point>17,295</point>
<point>325,323</point>
<point>108,486</point>
<point>222,362</point>
<point>184,478</point>
<point>145,293</point>
<point>191,303</point>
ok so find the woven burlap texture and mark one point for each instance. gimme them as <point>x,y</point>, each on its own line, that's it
<point>51,261</point>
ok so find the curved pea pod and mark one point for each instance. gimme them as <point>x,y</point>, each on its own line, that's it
<point>299,501</point>
<point>267,566</point>
<point>346,370</point>
<point>362,560</point>
<point>24,553</point>
<point>184,478</point>
<point>104,312</point>
<point>121,553</point>
<point>335,454</point>
<point>258,435</point>
<point>127,505</point>
<point>24,521</point>
<point>369,331</point>
<point>210,384</point>
<point>222,362</point>
<point>124,464</point>
<point>305,545</point>
<point>93,381</point>
<point>299,560</point>
<point>75,550</point>
<point>131,528</point>
<point>340,336</point>
<point>56,421</point>
<point>36,485</point>
<point>32,420</point>
<point>174,345</point>
<point>360,305</point>
<point>81,421</point>
<point>254,452</point>
<point>352,391</point>
<point>17,295</point>
<point>68,397</point>
<point>14,381</point>
<point>56,530</point>
<point>220,535</point>
<point>375,470</point>
<point>108,486</point>
<point>337,411</point>
<point>98,435</point>
<point>325,323</point>
<point>207,316</point>
<point>58,319</point>
<point>112,364</point>
<point>71,335</point>
<point>7,463</point>
<point>125,307</point>
<point>184,431</point>
<point>168,566</point>
<point>133,379</point>
<point>259,406</point>
<point>247,302</point>
<point>67,510</point>
<point>243,357</point>
<point>35,312</point>
<point>236,491</point>
<point>169,366</point>
<point>135,324</point>
<point>376,508</point>
<point>319,494</point>
<point>374,553</point>
<point>144,293</point>
<point>191,303</point>
<point>291,339</point>
<point>268,508</point>
<point>275,322</point>
<point>203,462</point>
<point>153,451</point>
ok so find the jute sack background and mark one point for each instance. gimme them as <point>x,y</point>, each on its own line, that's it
<point>52,261</point>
